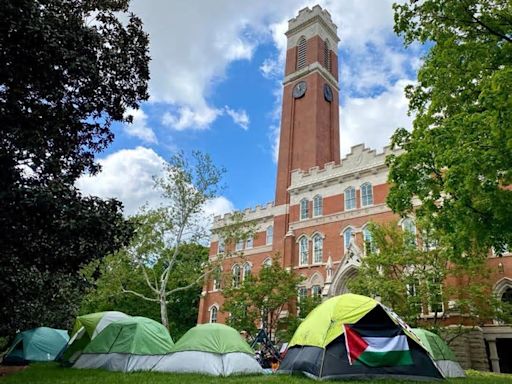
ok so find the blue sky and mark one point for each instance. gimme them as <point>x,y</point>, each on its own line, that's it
<point>216,74</point>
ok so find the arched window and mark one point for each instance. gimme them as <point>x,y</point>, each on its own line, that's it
<point>369,245</point>
<point>247,270</point>
<point>220,248</point>
<point>409,228</point>
<point>301,53</point>
<point>303,251</point>
<point>318,245</point>
<point>366,194</point>
<point>350,198</point>
<point>304,211</point>
<point>327,55</point>
<point>213,314</point>
<point>267,262</point>
<point>270,235</point>
<point>217,278</point>
<point>236,275</point>
<point>347,236</point>
<point>317,206</point>
<point>506,297</point>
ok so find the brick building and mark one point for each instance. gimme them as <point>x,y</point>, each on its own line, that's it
<point>317,222</point>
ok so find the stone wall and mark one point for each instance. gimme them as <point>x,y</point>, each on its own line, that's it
<point>469,348</point>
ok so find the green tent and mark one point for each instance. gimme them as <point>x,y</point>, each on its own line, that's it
<point>440,352</point>
<point>213,349</point>
<point>132,344</point>
<point>355,337</point>
<point>38,344</point>
<point>85,329</point>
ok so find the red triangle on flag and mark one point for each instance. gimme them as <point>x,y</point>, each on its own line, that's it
<point>354,343</point>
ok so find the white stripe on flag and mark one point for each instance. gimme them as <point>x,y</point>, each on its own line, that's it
<point>386,344</point>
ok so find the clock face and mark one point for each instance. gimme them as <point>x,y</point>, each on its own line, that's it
<point>299,90</point>
<point>327,92</point>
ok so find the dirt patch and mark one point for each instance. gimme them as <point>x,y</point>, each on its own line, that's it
<point>10,369</point>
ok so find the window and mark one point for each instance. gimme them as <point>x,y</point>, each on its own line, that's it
<point>213,314</point>
<point>316,291</point>
<point>248,243</point>
<point>247,270</point>
<point>413,293</point>
<point>506,297</point>
<point>304,213</point>
<point>217,277</point>
<point>317,206</point>
<point>236,275</point>
<point>270,235</point>
<point>409,228</point>
<point>350,198</point>
<point>239,245</point>
<point>303,251</point>
<point>302,293</point>
<point>301,53</point>
<point>366,194</point>
<point>435,297</point>
<point>347,236</point>
<point>369,245</point>
<point>327,55</point>
<point>267,262</point>
<point>221,247</point>
<point>318,244</point>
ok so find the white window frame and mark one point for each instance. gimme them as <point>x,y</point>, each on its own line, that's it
<point>304,209</point>
<point>221,247</point>
<point>366,194</point>
<point>236,278</point>
<point>302,292</point>
<point>269,235</point>
<point>249,243</point>
<point>267,262</point>
<point>346,194</point>
<point>409,226</point>
<point>303,250</point>
<point>318,290</point>
<point>318,206</point>
<point>367,238</point>
<point>318,248</point>
<point>346,243</point>
<point>247,267</point>
<point>214,312</point>
<point>239,246</point>
<point>217,280</point>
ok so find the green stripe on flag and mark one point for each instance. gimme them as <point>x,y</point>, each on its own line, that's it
<point>385,359</point>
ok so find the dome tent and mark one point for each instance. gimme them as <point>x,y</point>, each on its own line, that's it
<point>133,344</point>
<point>212,349</point>
<point>380,344</point>
<point>85,329</point>
<point>38,344</point>
<point>440,352</point>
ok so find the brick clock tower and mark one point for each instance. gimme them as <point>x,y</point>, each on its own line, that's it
<point>310,112</point>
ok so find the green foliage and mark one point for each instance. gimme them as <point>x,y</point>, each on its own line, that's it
<point>415,279</point>
<point>288,325</point>
<point>458,157</point>
<point>118,272</point>
<point>261,298</point>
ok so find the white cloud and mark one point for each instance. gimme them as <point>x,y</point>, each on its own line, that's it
<point>373,120</point>
<point>138,128</point>
<point>187,117</point>
<point>239,117</point>
<point>128,175</point>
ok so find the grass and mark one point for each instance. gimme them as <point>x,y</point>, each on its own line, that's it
<point>53,374</point>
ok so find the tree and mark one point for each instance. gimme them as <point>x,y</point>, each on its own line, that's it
<point>412,274</point>
<point>186,187</point>
<point>458,158</point>
<point>108,276</point>
<point>261,298</point>
<point>69,70</point>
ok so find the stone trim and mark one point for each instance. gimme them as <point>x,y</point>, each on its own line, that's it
<point>315,67</point>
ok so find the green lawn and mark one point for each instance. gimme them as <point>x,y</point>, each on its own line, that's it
<point>53,374</point>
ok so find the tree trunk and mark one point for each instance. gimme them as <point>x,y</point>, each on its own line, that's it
<point>163,312</point>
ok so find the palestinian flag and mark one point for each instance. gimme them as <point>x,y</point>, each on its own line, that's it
<point>376,350</point>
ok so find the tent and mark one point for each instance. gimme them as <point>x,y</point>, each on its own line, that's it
<point>440,352</point>
<point>133,344</point>
<point>212,349</point>
<point>85,329</point>
<point>379,344</point>
<point>38,344</point>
